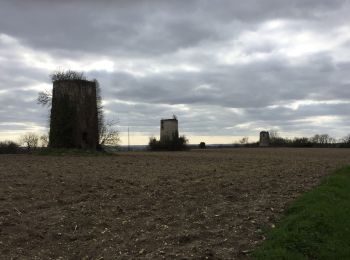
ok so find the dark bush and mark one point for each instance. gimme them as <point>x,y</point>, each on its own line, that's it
<point>202,145</point>
<point>8,147</point>
<point>279,141</point>
<point>301,142</point>
<point>323,140</point>
<point>67,75</point>
<point>175,144</point>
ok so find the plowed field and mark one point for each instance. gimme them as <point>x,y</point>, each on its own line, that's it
<point>198,204</point>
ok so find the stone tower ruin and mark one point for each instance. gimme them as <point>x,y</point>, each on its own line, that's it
<point>169,129</point>
<point>74,118</point>
<point>264,139</point>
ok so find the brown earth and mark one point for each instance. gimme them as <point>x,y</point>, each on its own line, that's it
<point>183,205</point>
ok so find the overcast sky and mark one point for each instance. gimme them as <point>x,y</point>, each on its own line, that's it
<point>227,69</point>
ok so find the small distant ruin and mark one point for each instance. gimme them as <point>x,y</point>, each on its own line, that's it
<point>169,137</point>
<point>74,117</point>
<point>264,139</point>
<point>169,129</point>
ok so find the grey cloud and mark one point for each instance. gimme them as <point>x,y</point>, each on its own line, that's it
<point>248,85</point>
<point>16,107</point>
<point>142,27</point>
<point>175,33</point>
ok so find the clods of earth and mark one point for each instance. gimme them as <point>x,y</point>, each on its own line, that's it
<point>198,204</point>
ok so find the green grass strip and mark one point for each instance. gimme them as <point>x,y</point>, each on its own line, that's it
<point>316,226</point>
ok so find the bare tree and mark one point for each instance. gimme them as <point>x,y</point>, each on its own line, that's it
<point>346,139</point>
<point>273,134</point>
<point>316,139</point>
<point>323,139</point>
<point>244,140</point>
<point>30,140</point>
<point>109,135</point>
<point>44,140</point>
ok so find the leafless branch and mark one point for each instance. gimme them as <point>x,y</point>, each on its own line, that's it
<point>67,75</point>
<point>109,135</point>
<point>44,98</point>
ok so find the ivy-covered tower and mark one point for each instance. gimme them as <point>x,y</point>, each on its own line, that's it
<point>169,129</point>
<point>74,118</point>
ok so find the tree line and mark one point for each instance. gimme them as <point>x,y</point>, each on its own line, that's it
<point>318,140</point>
<point>26,143</point>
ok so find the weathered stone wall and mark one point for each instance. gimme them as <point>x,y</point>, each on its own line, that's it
<point>73,121</point>
<point>264,139</point>
<point>168,129</point>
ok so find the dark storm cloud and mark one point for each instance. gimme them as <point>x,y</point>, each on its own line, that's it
<point>224,67</point>
<point>144,27</point>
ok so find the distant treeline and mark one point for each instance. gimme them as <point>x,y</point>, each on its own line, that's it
<point>323,140</point>
<point>26,144</point>
<point>318,140</point>
<point>9,147</point>
<point>30,142</point>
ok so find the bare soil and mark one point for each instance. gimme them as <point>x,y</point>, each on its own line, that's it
<point>209,204</point>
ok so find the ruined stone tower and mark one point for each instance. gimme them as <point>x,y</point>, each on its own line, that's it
<point>169,129</point>
<point>264,139</point>
<point>74,119</point>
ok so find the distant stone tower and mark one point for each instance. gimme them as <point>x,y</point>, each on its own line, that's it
<point>169,129</point>
<point>74,119</point>
<point>264,139</point>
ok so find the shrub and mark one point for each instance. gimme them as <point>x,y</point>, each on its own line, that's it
<point>8,147</point>
<point>175,144</point>
<point>67,75</point>
<point>301,142</point>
